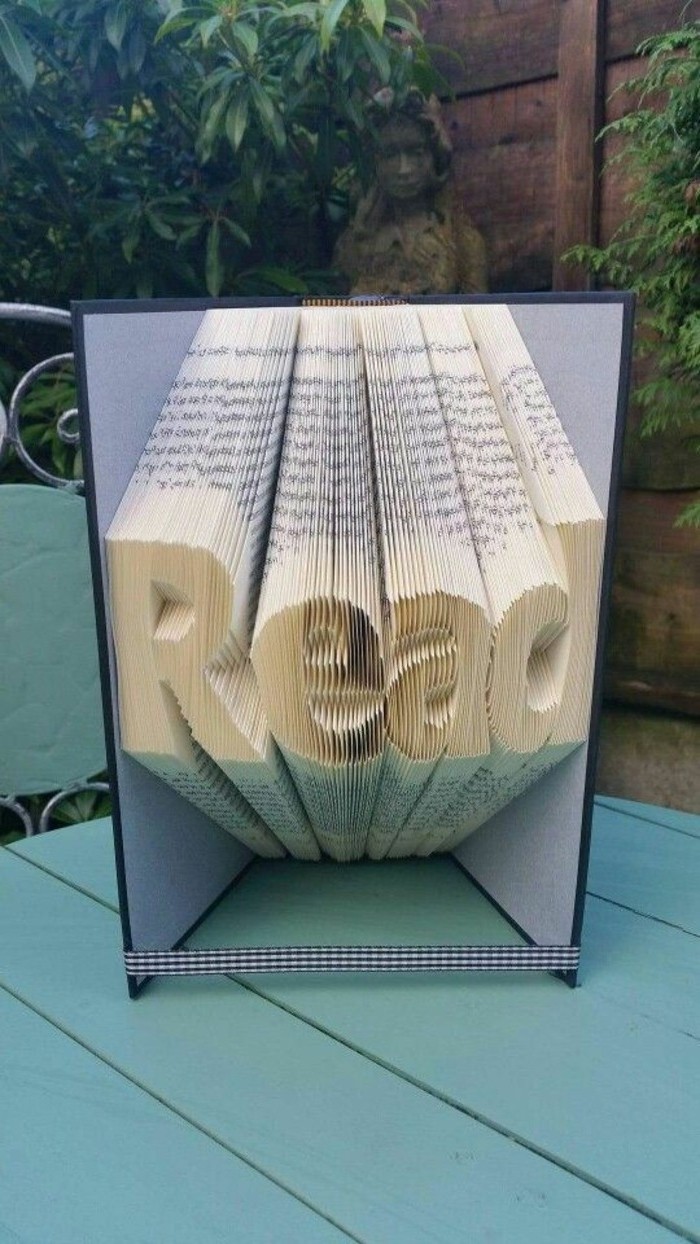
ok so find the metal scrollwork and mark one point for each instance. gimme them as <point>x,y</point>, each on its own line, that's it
<point>14,805</point>
<point>10,431</point>
<point>60,795</point>
<point>69,436</point>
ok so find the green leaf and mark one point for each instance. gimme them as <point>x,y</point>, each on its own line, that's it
<point>160,226</point>
<point>17,52</point>
<point>94,52</point>
<point>78,808</point>
<point>282,279</point>
<point>210,129</point>
<point>375,12</point>
<point>258,182</point>
<point>137,50</point>
<point>325,148</point>
<point>236,230</point>
<point>295,11</point>
<point>177,21</point>
<point>115,24</point>
<point>690,516</point>
<point>331,17</point>
<point>303,58</point>
<point>263,104</point>
<point>278,132</point>
<point>344,59</point>
<point>219,78</point>
<point>129,244</point>
<point>269,116</point>
<point>247,37</point>
<point>357,117</point>
<point>378,55</point>
<point>214,272</point>
<point>209,28</point>
<point>236,121</point>
<point>188,234</point>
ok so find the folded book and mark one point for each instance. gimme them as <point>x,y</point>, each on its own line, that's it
<point>353,579</point>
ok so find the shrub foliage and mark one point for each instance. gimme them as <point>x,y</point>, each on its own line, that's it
<point>148,148</point>
<point>656,252</point>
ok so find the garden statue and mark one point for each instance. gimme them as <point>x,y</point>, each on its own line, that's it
<point>407,234</point>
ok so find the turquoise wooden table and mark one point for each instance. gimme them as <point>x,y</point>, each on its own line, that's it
<point>383,1109</point>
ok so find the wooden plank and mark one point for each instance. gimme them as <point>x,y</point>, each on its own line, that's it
<point>81,854</point>
<point>88,1156</point>
<point>631,21</point>
<point>579,113</point>
<point>616,180</point>
<point>647,868</point>
<point>504,176</point>
<point>664,960</point>
<point>500,44</point>
<point>647,968</point>
<point>516,41</point>
<point>619,97</point>
<point>683,822</point>
<point>664,461</point>
<point>654,637</point>
<point>646,520</point>
<point>385,1159</point>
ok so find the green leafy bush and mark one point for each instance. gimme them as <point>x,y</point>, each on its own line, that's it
<point>656,252</point>
<point>152,149</point>
<point>148,149</point>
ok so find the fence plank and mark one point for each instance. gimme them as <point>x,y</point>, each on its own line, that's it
<point>505,44</point>
<point>631,21</point>
<point>504,175</point>
<point>579,111</point>
<point>651,657</point>
<point>499,45</point>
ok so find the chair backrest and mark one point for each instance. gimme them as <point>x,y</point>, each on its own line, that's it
<point>51,734</point>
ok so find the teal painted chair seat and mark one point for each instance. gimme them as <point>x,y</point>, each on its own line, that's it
<point>51,732</point>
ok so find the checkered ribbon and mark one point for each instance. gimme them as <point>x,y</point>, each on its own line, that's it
<point>351,959</point>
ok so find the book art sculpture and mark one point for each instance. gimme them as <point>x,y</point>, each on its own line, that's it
<point>354,579</point>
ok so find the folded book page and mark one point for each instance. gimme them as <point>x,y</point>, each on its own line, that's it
<point>354,579</point>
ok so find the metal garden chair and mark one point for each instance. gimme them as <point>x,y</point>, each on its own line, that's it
<point>51,733</point>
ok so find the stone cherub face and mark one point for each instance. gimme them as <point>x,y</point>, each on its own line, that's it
<point>404,161</point>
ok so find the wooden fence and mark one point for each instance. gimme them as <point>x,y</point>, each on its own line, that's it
<point>536,82</point>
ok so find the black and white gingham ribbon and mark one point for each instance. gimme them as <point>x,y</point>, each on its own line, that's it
<point>351,959</point>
